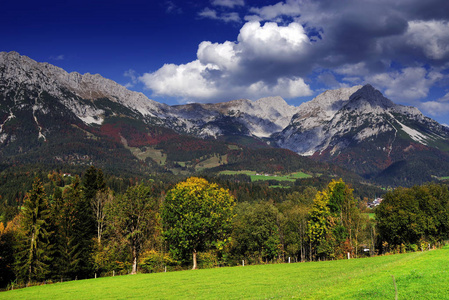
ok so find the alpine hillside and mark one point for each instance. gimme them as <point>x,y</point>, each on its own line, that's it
<point>361,129</point>
<point>51,116</point>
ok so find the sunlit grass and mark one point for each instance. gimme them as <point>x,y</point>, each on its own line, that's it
<point>420,275</point>
<point>262,177</point>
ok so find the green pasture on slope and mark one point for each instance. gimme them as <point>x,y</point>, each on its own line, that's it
<point>371,216</point>
<point>256,177</point>
<point>419,275</point>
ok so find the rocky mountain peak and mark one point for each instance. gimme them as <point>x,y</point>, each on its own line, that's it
<point>19,69</point>
<point>325,105</point>
<point>368,95</point>
<point>272,101</point>
<point>356,126</point>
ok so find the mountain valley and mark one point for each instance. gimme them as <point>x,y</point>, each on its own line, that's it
<point>53,117</point>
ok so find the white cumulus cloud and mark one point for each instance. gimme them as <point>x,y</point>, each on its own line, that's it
<point>411,83</point>
<point>432,37</point>
<point>273,41</point>
<point>224,55</point>
<point>224,71</point>
<point>286,87</point>
<point>185,81</point>
<point>401,47</point>
<point>435,108</point>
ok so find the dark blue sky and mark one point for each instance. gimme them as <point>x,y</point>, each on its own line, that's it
<point>217,50</point>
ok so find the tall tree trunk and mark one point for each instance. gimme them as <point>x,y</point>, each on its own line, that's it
<point>31,257</point>
<point>194,260</point>
<point>99,233</point>
<point>134,271</point>
<point>302,249</point>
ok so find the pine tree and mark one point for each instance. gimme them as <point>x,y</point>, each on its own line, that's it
<point>101,184</point>
<point>63,218</point>
<point>34,250</point>
<point>74,244</point>
<point>90,183</point>
<point>80,232</point>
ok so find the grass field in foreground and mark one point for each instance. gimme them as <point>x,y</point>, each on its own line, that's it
<point>420,275</point>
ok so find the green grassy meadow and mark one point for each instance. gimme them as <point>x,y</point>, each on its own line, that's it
<point>419,275</point>
<point>254,177</point>
<point>371,216</point>
<point>211,162</point>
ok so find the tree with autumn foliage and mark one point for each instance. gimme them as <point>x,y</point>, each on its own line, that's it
<point>333,221</point>
<point>413,218</point>
<point>197,216</point>
<point>8,237</point>
<point>134,218</point>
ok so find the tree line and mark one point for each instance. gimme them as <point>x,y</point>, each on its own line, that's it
<point>85,229</point>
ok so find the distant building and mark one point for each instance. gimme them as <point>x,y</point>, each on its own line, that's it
<point>375,202</point>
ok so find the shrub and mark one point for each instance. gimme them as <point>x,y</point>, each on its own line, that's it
<point>154,262</point>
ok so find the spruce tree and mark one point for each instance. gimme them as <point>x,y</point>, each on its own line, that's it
<point>90,183</point>
<point>74,246</point>
<point>101,184</point>
<point>63,241</point>
<point>80,231</point>
<point>34,250</point>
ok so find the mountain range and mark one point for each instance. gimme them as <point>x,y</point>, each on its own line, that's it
<point>50,116</point>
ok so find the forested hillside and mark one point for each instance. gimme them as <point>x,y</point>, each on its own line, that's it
<point>95,224</point>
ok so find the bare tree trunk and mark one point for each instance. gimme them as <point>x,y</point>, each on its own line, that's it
<point>303,251</point>
<point>194,260</point>
<point>99,234</point>
<point>31,257</point>
<point>310,251</point>
<point>134,271</point>
<point>98,205</point>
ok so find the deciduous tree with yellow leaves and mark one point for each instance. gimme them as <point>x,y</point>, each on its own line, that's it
<point>332,220</point>
<point>196,217</point>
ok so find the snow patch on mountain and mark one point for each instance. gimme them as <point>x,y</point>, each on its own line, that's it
<point>55,81</point>
<point>80,94</point>
<point>329,123</point>
<point>414,134</point>
<point>11,115</point>
<point>335,119</point>
<point>40,135</point>
<point>262,117</point>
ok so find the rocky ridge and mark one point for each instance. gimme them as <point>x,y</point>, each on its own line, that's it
<point>262,117</point>
<point>356,127</point>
